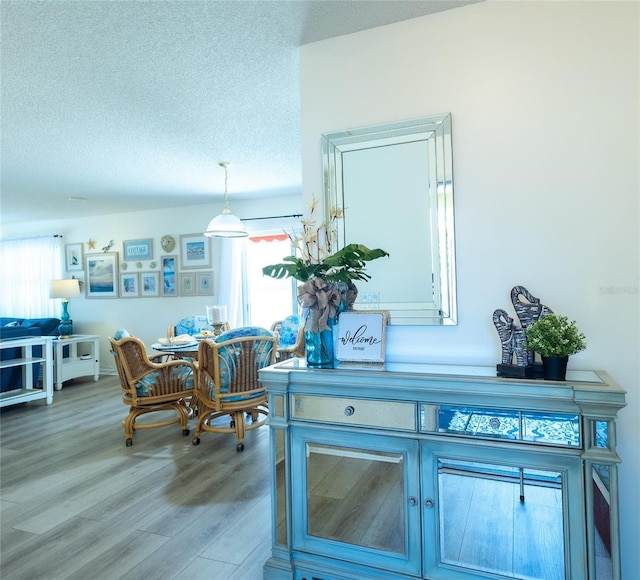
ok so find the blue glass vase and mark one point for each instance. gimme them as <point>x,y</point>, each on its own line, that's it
<point>320,346</point>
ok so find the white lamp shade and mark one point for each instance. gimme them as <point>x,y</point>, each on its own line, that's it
<point>64,289</point>
<point>226,225</point>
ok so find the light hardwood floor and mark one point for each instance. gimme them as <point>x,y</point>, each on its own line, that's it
<point>77,504</point>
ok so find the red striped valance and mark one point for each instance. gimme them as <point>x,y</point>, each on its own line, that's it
<point>272,238</point>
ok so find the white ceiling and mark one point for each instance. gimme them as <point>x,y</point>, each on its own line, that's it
<point>131,105</point>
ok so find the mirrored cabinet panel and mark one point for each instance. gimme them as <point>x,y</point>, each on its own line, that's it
<point>356,496</point>
<point>357,499</point>
<point>602,521</point>
<point>501,519</point>
<point>546,428</point>
<point>280,489</point>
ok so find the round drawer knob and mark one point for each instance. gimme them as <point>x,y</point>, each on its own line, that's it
<point>349,411</point>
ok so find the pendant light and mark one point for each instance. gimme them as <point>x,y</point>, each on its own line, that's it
<point>226,225</point>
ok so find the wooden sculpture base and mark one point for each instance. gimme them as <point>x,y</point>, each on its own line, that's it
<point>533,371</point>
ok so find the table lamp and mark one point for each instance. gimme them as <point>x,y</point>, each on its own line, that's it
<point>65,289</point>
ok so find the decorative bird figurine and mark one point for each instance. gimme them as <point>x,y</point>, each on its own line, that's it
<point>108,246</point>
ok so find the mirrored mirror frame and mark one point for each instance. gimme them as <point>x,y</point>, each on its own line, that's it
<point>440,306</point>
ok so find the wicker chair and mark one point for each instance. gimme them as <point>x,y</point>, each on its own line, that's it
<point>291,337</point>
<point>148,386</point>
<point>228,382</point>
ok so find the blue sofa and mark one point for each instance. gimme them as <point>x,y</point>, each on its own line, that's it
<point>12,328</point>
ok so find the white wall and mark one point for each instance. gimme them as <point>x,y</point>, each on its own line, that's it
<point>147,318</point>
<point>544,102</point>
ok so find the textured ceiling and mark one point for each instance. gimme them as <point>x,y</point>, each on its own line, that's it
<point>131,105</point>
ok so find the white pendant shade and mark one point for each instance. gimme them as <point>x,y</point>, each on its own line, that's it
<point>226,225</point>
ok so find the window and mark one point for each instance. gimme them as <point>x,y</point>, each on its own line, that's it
<point>27,266</point>
<point>268,299</point>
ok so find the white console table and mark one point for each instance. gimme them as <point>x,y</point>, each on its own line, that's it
<point>441,472</point>
<point>83,358</point>
<point>27,360</point>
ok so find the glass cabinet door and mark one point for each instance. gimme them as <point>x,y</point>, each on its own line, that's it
<point>358,498</point>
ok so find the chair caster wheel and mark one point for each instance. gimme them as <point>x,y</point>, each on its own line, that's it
<point>196,441</point>
<point>240,447</point>
<point>129,442</point>
<point>185,432</point>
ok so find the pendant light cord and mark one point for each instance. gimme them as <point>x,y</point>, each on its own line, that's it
<point>226,225</point>
<point>224,164</point>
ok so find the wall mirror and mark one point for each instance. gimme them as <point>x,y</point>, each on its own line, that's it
<point>394,184</point>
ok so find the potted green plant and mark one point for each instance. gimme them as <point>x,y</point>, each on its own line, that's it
<point>555,338</point>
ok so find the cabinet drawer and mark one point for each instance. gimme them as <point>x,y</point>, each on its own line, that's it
<point>362,412</point>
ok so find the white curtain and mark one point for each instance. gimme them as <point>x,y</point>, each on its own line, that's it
<point>230,287</point>
<point>27,266</point>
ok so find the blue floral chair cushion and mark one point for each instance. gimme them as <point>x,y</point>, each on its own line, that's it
<point>291,341</point>
<point>243,331</point>
<point>193,325</point>
<point>289,329</point>
<point>121,333</point>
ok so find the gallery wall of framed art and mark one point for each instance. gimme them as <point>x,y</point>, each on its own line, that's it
<point>180,265</point>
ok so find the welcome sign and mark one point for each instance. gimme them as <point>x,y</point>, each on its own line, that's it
<point>362,336</point>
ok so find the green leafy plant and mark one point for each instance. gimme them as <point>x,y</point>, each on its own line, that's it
<point>314,257</point>
<point>554,335</point>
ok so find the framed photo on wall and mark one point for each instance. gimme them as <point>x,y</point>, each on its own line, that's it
<point>205,283</point>
<point>168,267</point>
<point>102,275</point>
<point>149,284</point>
<point>73,257</point>
<point>187,284</point>
<point>362,336</point>
<point>137,249</point>
<point>195,252</point>
<point>129,285</point>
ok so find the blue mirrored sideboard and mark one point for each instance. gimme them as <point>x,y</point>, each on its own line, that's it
<point>441,472</point>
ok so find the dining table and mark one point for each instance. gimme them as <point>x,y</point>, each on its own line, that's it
<point>180,348</point>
